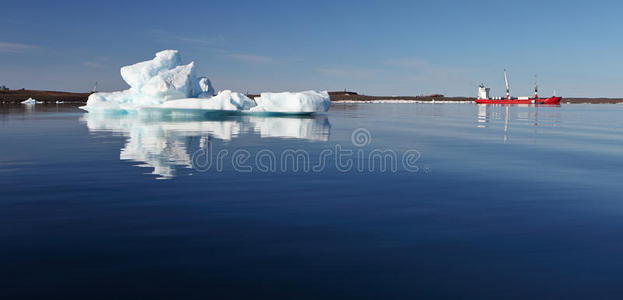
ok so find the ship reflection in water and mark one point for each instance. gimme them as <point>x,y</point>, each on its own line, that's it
<point>167,142</point>
<point>517,115</point>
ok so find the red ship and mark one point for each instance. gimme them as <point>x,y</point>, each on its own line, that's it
<point>483,96</point>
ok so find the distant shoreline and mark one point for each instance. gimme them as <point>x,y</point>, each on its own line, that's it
<point>17,96</point>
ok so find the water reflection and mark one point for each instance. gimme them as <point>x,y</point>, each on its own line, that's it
<point>165,142</point>
<point>482,115</point>
<point>507,115</point>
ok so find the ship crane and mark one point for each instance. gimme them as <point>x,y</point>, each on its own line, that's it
<point>508,89</point>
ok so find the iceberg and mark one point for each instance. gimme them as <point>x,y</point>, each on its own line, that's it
<point>207,90</point>
<point>224,101</point>
<point>138,74</point>
<point>151,82</point>
<point>31,101</point>
<point>302,102</point>
<point>165,83</point>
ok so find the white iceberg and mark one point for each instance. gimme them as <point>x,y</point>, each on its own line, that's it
<point>207,90</point>
<point>31,101</point>
<point>288,102</point>
<point>138,74</point>
<point>164,83</point>
<point>224,101</point>
<point>151,82</point>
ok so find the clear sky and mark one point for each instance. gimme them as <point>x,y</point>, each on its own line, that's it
<point>372,47</point>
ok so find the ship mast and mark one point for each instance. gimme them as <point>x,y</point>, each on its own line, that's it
<point>508,89</point>
<point>536,88</point>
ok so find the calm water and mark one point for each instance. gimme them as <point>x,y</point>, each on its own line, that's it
<point>517,202</point>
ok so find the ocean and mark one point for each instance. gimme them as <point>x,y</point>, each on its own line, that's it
<point>367,201</point>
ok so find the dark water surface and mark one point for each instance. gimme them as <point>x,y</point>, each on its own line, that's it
<point>502,202</point>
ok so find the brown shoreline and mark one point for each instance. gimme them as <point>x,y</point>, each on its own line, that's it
<point>17,96</point>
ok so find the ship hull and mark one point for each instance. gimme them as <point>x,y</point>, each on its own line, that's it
<point>550,100</point>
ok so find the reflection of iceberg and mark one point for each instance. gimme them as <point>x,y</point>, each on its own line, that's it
<point>165,83</point>
<point>287,127</point>
<point>164,142</point>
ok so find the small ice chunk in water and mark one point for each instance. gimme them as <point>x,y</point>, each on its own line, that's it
<point>31,101</point>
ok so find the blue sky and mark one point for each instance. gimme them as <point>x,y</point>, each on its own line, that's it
<point>373,47</point>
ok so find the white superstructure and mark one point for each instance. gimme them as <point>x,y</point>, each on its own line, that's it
<point>483,92</point>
